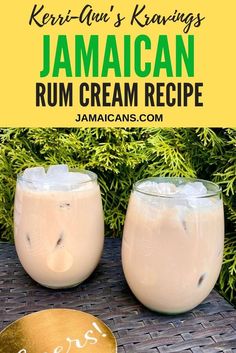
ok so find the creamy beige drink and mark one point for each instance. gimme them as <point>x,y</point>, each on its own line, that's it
<point>59,228</point>
<point>173,242</point>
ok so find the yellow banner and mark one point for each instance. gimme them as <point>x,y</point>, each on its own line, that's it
<point>121,64</point>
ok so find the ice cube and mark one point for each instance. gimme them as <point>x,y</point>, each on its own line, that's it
<point>56,181</point>
<point>166,188</point>
<point>157,188</point>
<point>57,177</point>
<point>66,181</point>
<point>201,202</point>
<point>192,189</point>
<point>78,180</point>
<point>55,170</point>
<point>35,173</point>
<point>77,177</point>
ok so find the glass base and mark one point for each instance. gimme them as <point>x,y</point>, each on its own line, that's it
<point>60,287</point>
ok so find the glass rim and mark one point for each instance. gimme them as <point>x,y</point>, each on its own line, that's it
<point>210,193</point>
<point>93,176</point>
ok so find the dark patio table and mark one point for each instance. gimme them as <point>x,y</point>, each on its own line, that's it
<point>211,327</point>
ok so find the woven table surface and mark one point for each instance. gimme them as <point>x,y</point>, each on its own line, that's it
<point>211,327</point>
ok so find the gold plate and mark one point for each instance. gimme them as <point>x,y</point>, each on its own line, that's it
<point>58,331</point>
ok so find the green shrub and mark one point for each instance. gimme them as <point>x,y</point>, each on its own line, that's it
<point>120,157</point>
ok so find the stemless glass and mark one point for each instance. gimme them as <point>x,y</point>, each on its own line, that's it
<point>173,242</point>
<point>59,230</point>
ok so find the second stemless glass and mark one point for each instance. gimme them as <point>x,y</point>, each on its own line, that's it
<point>59,233</point>
<point>172,245</point>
